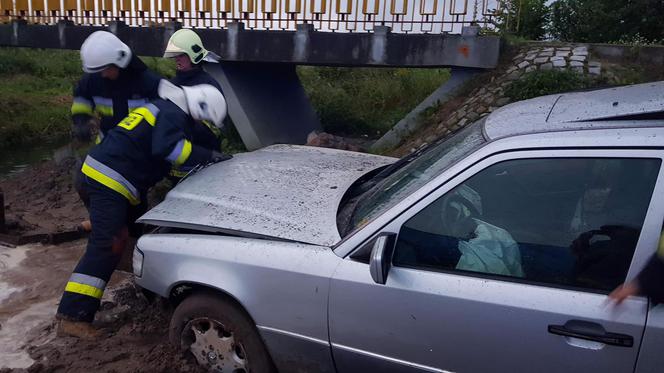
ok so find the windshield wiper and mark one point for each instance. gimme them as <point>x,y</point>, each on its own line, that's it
<point>194,170</point>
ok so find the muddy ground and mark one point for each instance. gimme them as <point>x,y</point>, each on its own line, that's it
<point>42,199</point>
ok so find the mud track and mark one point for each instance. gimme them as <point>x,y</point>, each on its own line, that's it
<point>32,277</point>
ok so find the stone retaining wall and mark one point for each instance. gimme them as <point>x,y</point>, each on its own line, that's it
<point>488,97</point>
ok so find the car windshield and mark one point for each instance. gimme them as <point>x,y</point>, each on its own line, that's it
<point>416,173</point>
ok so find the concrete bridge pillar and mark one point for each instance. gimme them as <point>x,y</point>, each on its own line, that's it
<point>266,101</point>
<point>412,122</point>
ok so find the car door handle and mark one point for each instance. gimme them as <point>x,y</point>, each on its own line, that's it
<point>613,339</point>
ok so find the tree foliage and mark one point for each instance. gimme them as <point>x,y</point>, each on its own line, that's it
<point>607,20</point>
<point>525,18</point>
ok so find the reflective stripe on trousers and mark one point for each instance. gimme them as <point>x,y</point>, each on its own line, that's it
<point>85,284</point>
<point>110,214</point>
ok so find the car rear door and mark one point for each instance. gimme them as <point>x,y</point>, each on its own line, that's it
<point>506,268</point>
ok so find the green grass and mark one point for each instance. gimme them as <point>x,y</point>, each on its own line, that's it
<point>547,82</point>
<point>163,66</point>
<point>36,87</point>
<point>35,90</point>
<point>366,101</point>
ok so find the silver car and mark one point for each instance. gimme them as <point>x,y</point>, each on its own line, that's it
<point>490,251</point>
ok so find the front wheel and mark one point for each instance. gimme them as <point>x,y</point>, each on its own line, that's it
<point>219,335</point>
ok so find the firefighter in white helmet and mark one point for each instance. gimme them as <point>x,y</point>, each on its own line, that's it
<point>132,158</point>
<point>186,48</point>
<point>115,83</point>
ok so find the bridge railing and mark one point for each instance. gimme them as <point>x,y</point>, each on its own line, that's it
<point>403,16</point>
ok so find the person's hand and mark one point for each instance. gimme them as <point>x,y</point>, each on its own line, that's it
<point>85,131</point>
<point>581,244</point>
<point>623,291</point>
<point>82,132</point>
<point>219,157</point>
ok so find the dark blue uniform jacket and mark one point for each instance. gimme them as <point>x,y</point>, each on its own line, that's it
<point>112,100</point>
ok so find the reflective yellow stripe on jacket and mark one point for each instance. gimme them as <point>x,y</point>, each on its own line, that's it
<point>81,106</point>
<point>660,247</point>
<point>103,106</point>
<point>110,178</point>
<point>105,111</point>
<point>147,114</point>
<point>180,153</point>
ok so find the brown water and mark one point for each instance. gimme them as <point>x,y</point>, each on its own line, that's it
<point>31,282</point>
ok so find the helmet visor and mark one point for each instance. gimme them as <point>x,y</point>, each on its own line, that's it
<point>92,69</point>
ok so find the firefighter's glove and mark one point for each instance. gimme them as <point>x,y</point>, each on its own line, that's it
<point>219,157</point>
<point>82,132</point>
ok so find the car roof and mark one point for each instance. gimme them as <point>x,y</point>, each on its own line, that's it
<point>640,105</point>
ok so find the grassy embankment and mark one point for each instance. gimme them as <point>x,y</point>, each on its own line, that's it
<point>35,93</point>
<point>36,87</point>
<point>367,101</point>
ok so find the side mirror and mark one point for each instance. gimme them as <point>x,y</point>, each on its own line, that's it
<point>381,257</point>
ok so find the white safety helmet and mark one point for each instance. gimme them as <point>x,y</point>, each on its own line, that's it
<point>102,49</point>
<point>205,102</point>
<point>171,92</point>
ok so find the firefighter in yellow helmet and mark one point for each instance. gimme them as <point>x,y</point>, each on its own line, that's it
<point>186,48</point>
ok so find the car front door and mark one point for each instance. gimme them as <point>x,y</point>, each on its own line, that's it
<point>505,268</point>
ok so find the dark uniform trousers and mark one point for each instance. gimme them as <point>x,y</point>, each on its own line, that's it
<point>111,216</point>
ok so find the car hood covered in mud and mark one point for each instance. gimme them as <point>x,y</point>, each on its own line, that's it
<point>283,191</point>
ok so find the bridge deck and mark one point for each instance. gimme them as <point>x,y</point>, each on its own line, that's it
<point>303,47</point>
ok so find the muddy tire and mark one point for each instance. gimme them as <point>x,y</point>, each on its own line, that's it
<point>219,335</point>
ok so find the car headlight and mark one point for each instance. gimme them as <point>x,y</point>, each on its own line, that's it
<point>137,262</point>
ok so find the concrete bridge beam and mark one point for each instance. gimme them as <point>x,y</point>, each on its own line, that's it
<point>303,46</point>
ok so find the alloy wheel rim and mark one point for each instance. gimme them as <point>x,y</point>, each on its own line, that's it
<point>214,346</point>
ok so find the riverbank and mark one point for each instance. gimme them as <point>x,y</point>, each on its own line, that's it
<point>42,199</point>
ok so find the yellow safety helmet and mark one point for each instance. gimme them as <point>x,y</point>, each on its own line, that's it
<point>185,41</point>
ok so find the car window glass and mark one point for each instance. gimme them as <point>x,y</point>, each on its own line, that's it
<point>571,222</point>
<point>417,173</point>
